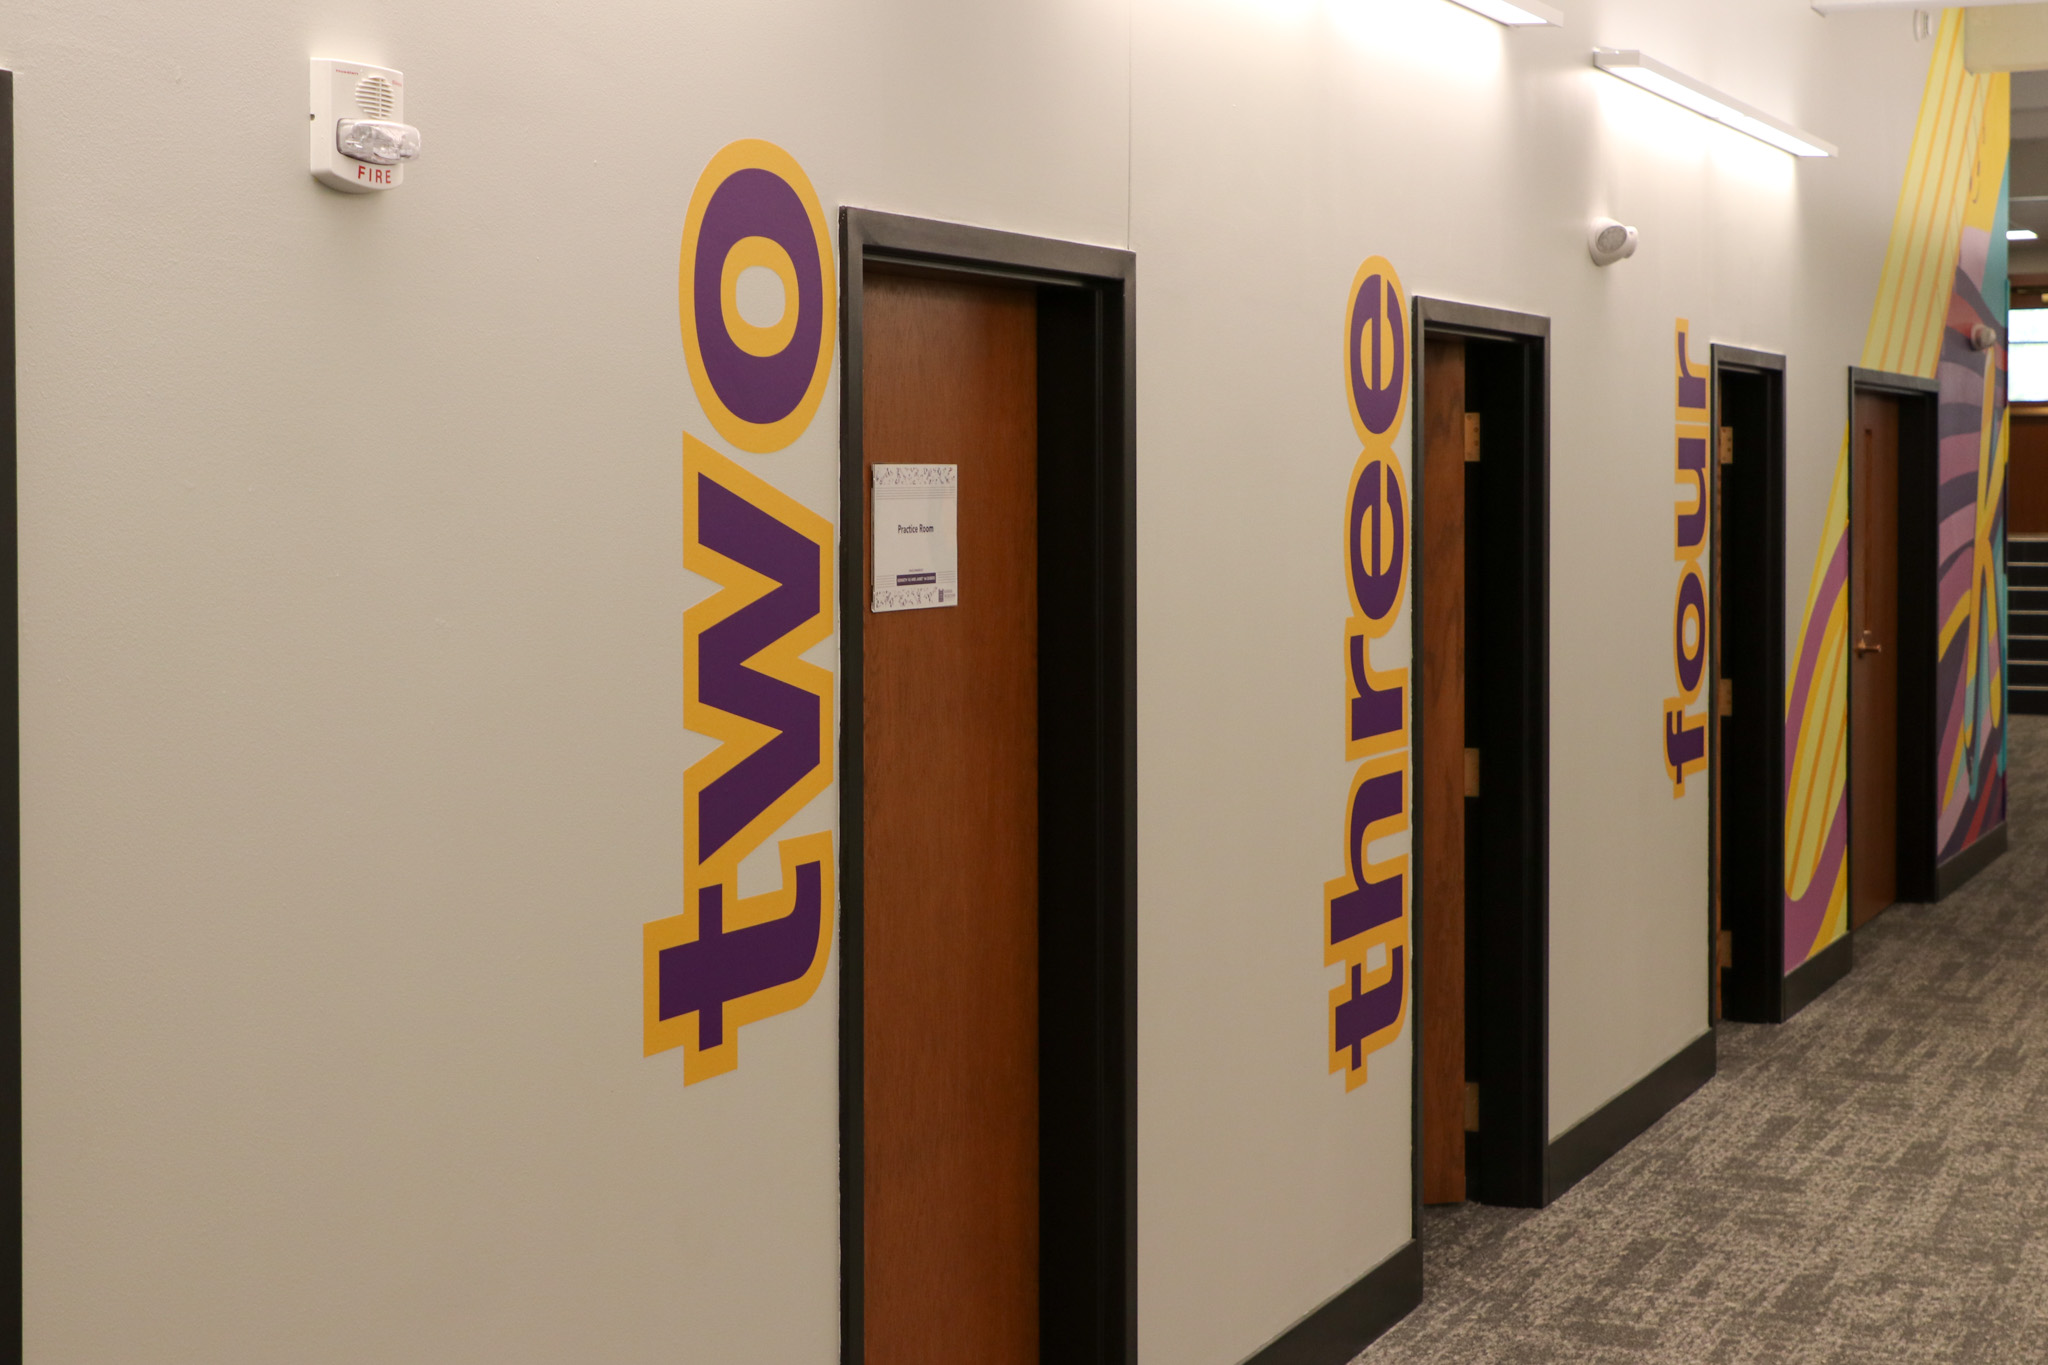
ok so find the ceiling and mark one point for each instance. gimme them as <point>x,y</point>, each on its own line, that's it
<point>2030,151</point>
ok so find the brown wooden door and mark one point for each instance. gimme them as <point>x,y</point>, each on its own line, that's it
<point>1873,658</point>
<point>2027,476</point>
<point>1440,778</point>
<point>950,802</point>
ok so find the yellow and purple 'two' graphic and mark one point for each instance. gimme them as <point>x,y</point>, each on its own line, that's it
<point>1685,734</point>
<point>1365,911</point>
<point>726,961</point>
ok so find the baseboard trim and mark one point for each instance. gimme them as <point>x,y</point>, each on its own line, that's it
<point>1805,983</point>
<point>1950,876</point>
<point>1626,1117</point>
<point>1355,1318</point>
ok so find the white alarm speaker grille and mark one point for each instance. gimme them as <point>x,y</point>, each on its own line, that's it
<point>375,97</point>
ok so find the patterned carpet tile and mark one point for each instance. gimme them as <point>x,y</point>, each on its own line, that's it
<point>1863,1185</point>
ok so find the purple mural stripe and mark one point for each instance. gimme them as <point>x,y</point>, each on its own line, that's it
<point>1958,495</point>
<point>758,203</point>
<point>1805,914</point>
<point>723,965</point>
<point>743,533</point>
<point>1368,1012</point>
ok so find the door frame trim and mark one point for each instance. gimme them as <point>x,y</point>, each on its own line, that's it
<point>1919,462</point>
<point>1088,1175</point>
<point>1774,1006</point>
<point>1514,1172</point>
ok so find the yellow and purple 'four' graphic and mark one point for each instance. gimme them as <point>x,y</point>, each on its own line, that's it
<point>1685,734</point>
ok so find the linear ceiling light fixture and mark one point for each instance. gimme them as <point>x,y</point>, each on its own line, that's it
<point>1703,99</point>
<point>1515,13</point>
<point>2021,235</point>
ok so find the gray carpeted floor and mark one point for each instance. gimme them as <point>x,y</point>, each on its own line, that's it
<point>1864,1185</point>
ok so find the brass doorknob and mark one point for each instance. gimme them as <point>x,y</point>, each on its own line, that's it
<point>1866,645</point>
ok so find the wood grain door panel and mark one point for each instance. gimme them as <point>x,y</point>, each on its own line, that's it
<point>1440,778</point>
<point>950,1030</point>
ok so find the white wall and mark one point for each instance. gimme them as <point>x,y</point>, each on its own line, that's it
<point>351,743</point>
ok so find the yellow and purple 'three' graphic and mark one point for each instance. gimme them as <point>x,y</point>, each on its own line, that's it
<point>1366,910</point>
<point>727,961</point>
<point>1685,736</point>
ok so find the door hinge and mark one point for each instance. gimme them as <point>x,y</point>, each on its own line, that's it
<point>1471,1106</point>
<point>1724,948</point>
<point>1727,445</point>
<point>1471,438</point>
<point>1471,772</point>
<point>1727,697</point>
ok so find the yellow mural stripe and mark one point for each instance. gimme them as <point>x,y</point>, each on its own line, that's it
<point>1947,193</point>
<point>1935,105</point>
<point>1936,237</point>
<point>1934,297</point>
<point>1820,733</point>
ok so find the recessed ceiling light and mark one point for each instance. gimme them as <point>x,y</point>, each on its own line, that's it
<point>2021,235</point>
<point>1703,99</point>
<point>1515,13</point>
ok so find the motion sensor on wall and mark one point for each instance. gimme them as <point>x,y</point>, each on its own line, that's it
<point>1610,241</point>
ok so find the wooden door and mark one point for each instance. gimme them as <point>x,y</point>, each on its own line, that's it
<point>2026,486</point>
<point>1873,658</point>
<point>1441,777</point>
<point>950,878</point>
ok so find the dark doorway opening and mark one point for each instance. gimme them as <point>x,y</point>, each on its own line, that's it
<point>1056,318</point>
<point>1894,503</point>
<point>1481,710</point>
<point>1747,718</point>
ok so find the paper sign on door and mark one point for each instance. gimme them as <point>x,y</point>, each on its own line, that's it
<point>917,536</point>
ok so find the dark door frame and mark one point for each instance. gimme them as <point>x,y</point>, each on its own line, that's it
<point>1755,987</point>
<point>1507,988</point>
<point>1087,424</point>
<point>1919,520</point>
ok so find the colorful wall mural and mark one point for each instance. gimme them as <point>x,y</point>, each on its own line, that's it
<point>729,960</point>
<point>1943,277</point>
<point>1365,911</point>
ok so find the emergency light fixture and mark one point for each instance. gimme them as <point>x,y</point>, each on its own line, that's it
<point>1515,13</point>
<point>1704,100</point>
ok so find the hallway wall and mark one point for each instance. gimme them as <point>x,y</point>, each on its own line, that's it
<point>352,593</point>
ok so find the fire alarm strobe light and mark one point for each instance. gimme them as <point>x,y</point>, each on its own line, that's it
<point>360,141</point>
